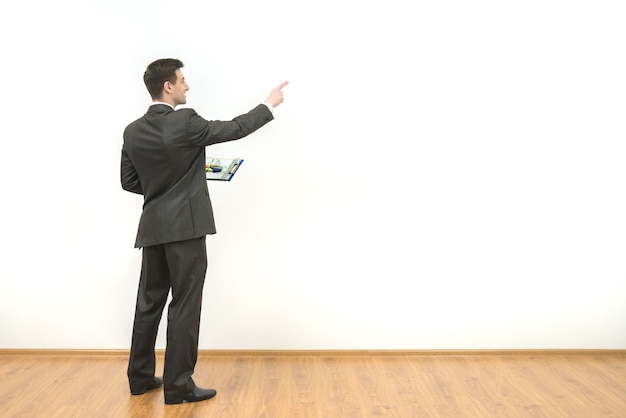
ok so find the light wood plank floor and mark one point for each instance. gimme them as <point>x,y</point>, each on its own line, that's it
<point>326,384</point>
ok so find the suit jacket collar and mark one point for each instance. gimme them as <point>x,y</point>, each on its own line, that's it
<point>160,108</point>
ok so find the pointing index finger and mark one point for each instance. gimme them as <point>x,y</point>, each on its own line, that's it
<point>281,85</point>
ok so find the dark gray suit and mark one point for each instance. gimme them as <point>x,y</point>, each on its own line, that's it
<point>163,158</point>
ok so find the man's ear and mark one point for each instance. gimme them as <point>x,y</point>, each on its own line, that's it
<point>167,87</point>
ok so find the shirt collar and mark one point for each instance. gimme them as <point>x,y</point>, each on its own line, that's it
<point>163,103</point>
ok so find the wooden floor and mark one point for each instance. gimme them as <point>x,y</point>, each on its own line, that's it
<point>326,384</point>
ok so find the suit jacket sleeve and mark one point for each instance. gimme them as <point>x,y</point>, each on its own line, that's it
<point>129,176</point>
<point>206,132</point>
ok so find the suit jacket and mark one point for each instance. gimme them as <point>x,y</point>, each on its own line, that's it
<point>163,158</point>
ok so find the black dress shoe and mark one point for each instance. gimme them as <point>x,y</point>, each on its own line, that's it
<point>157,382</point>
<point>196,395</point>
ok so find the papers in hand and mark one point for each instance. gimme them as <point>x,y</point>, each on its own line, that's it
<point>222,168</point>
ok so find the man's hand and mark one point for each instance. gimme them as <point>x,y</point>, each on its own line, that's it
<point>276,96</point>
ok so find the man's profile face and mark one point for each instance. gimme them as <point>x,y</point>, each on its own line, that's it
<point>180,88</point>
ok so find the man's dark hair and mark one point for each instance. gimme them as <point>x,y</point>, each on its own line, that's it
<point>158,73</point>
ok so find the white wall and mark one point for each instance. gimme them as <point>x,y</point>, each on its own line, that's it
<point>441,175</point>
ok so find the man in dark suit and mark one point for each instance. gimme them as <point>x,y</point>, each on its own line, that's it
<point>163,159</point>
